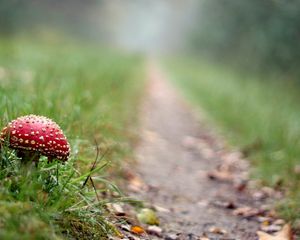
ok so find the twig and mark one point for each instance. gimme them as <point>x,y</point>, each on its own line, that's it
<point>95,163</point>
<point>97,196</point>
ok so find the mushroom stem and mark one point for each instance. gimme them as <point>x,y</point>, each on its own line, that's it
<point>50,159</point>
<point>28,156</point>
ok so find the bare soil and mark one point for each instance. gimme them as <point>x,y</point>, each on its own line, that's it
<point>175,155</point>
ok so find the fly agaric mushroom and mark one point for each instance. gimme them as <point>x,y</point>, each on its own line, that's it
<point>32,136</point>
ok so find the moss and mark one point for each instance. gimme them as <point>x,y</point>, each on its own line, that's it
<point>80,228</point>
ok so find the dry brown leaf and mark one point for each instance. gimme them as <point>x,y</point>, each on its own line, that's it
<point>116,208</point>
<point>246,212</point>
<point>279,222</point>
<point>137,230</point>
<point>136,184</point>
<point>223,176</point>
<point>241,185</point>
<point>284,234</point>
<point>217,230</point>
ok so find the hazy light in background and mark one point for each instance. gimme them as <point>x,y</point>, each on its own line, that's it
<point>147,26</point>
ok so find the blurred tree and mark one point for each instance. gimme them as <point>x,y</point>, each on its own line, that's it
<point>71,16</point>
<point>258,34</point>
<point>10,13</point>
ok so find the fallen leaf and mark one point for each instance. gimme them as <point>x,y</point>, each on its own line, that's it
<point>217,230</point>
<point>241,185</point>
<point>270,228</point>
<point>203,203</point>
<point>279,222</point>
<point>172,236</point>
<point>284,234</point>
<point>258,195</point>
<point>161,209</point>
<point>223,176</point>
<point>154,230</point>
<point>125,227</point>
<point>225,204</point>
<point>264,220</point>
<point>137,230</point>
<point>247,212</point>
<point>148,216</point>
<point>268,191</point>
<point>136,184</point>
<point>265,223</point>
<point>116,208</point>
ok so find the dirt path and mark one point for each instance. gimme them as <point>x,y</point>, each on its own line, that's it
<point>175,171</point>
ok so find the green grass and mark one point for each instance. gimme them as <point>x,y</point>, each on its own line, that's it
<point>259,115</point>
<point>92,94</point>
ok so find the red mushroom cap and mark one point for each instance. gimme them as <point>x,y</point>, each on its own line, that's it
<point>38,134</point>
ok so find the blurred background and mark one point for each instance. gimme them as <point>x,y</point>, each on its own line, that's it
<point>136,25</point>
<point>238,60</point>
<point>257,34</point>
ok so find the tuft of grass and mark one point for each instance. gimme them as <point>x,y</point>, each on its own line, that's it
<point>259,114</point>
<point>33,198</point>
<point>92,94</point>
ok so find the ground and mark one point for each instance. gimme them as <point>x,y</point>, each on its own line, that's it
<point>176,155</point>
